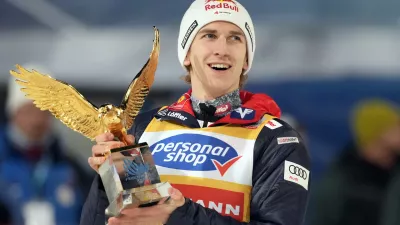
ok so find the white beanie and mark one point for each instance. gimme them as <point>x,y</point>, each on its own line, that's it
<point>15,97</point>
<point>203,12</point>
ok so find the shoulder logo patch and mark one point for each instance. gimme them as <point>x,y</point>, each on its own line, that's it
<point>296,174</point>
<point>287,140</point>
<point>273,124</point>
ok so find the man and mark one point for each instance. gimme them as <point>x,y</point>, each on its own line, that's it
<point>353,190</point>
<point>228,157</point>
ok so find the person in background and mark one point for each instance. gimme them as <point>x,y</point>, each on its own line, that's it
<point>352,190</point>
<point>391,205</point>
<point>5,215</point>
<point>5,212</point>
<point>38,179</point>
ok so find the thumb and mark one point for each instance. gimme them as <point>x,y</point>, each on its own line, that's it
<point>175,194</point>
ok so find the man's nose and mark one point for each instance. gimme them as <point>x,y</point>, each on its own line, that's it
<point>221,47</point>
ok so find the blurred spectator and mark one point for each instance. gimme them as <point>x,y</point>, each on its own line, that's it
<point>40,182</point>
<point>5,215</point>
<point>5,218</point>
<point>8,213</point>
<point>352,190</point>
<point>391,207</point>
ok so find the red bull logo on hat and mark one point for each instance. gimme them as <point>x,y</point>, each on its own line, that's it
<point>221,4</point>
<point>207,1</point>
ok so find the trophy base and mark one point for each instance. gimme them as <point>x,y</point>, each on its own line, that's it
<point>145,196</point>
<point>130,179</point>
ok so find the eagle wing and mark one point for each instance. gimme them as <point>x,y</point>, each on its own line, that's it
<point>62,100</point>
<point>140,86</point>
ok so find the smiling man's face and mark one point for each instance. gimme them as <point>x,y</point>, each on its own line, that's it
<point>217,58</point>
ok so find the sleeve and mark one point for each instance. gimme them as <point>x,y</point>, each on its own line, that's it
<point>280,184</point>
<point>93,211</point>
<point>391,206</point>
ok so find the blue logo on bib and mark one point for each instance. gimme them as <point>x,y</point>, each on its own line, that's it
<point>194,152</point>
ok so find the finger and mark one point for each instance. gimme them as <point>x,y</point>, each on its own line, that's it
<point>163,200</point>
<point>113,221</point>
<point>121,220</point>
<point>95,162</point>
<point>145,212</point>
<point>130,138</point>
<point>131,212</point>
<point>140,213</point>
<point>151,219</point>
<point>104,147</point>
<point>104,137</point>
<point>95,168</point>
<point>124,219</point>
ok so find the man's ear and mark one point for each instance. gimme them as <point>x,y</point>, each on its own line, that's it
<point>245,64</point>
<point>187,62</point>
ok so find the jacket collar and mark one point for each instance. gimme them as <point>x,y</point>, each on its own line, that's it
<point>254,107</point>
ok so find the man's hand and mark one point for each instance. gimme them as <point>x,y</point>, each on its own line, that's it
<point>105,142</point>
<point>153,215</point>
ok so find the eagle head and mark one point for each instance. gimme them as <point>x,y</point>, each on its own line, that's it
<point>110,114</point>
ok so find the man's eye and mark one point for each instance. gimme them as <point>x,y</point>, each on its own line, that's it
<point>236,38</point>
<point>209,36</point>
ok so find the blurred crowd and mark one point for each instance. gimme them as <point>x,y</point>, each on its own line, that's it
<point>361,185</point>
<point>40,182</point>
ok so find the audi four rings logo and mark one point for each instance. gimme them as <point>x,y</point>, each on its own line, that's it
<point>298,171</point>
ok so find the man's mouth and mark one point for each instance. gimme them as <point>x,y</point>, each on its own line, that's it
<point>219,66</point>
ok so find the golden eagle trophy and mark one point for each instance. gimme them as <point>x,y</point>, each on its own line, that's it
<point>129,175</point>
